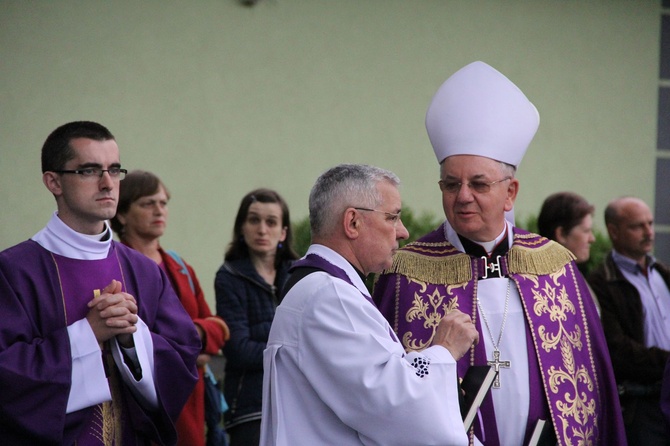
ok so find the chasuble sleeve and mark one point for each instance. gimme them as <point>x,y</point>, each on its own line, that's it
<point>175,342</point>
<point>35,356</point>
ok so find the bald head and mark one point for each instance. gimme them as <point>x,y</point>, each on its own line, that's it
<point>630,225</point>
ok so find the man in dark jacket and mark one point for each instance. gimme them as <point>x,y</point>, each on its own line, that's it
<point>633,290</point>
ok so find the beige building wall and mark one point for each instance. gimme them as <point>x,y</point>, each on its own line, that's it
<point>218,98</point>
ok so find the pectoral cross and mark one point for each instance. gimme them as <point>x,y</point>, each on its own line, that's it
<point>497,363</point>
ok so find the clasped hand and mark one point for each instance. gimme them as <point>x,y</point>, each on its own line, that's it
<point>113,313</point>
<point>456,332</point>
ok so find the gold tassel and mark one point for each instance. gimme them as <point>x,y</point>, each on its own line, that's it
<point>442,270</point>
<point>525,257</point>
<point>545,259</point>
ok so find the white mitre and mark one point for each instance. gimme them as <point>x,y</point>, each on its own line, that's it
<point>478,111</point>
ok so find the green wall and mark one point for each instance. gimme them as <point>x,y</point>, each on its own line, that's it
<point>218,98</point>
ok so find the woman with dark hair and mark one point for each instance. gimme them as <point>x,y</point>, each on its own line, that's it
<point>247,293</point>
<point>140,221</point>
<point>567,218</point>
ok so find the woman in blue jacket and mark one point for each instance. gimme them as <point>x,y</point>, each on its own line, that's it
<point>247,287</point>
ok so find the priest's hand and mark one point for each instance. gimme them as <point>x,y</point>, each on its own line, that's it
<point>456,332</point>
<point>113,313</point>
<point>203,359</point>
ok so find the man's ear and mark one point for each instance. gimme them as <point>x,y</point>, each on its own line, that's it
<point>52,181</point>
<point>512,192</point>
<point>612,231</point>
<point>351,223</point>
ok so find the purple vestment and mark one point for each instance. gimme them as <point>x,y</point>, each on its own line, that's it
<point>571,380</point>
<point>35,356</point>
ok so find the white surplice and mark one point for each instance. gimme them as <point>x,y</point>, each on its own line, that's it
<point>336,375</point>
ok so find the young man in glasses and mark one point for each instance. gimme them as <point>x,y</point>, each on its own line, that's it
<point>95,347</point>
<point>537,323</point>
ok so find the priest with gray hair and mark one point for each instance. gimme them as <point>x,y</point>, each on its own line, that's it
<point>334,371</point>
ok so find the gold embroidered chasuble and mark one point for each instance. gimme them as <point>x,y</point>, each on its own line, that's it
<point>431,277</point>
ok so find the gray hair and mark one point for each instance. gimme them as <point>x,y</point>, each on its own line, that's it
<point>506,169</point>
<point>343,186</point>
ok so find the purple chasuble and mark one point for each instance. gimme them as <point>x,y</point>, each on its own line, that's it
<point>570,376</point>
<point>80,280</point>
<point>35,356</point>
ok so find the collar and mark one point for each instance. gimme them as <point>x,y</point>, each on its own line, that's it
<point>476,250</point>
<point>497,244</point>
<point>630,265</point>
<point>492,265</point>
<point>62,240</point>
<point>355,276</point>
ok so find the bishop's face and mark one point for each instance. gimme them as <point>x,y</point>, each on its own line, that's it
<point>474,210</point>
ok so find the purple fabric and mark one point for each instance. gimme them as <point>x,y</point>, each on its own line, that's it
<point>35,358</point>
<point>591,358</point>
<point>315,261</point>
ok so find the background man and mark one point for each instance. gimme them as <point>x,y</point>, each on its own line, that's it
<point>633,289</point>
<point>334,371</point>
<point>95,347</point>
<point>531,306</point>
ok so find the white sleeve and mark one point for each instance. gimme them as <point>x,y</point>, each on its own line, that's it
<point>363,375</point>
<point>144,389</point>
<point>89,383</point>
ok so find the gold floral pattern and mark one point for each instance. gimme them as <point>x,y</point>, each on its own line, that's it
<point>576,409</point>
<point>555,301</point>
<point>429,308</point>
<point>436,279</point>
<point>576,405</point>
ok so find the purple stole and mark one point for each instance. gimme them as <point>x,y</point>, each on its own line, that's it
<point>79,280</point>
<point>430,277</point>
<point>318,262</point>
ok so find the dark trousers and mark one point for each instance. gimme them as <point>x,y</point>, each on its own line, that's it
<point>245,434</point>
<point>644,422</point>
